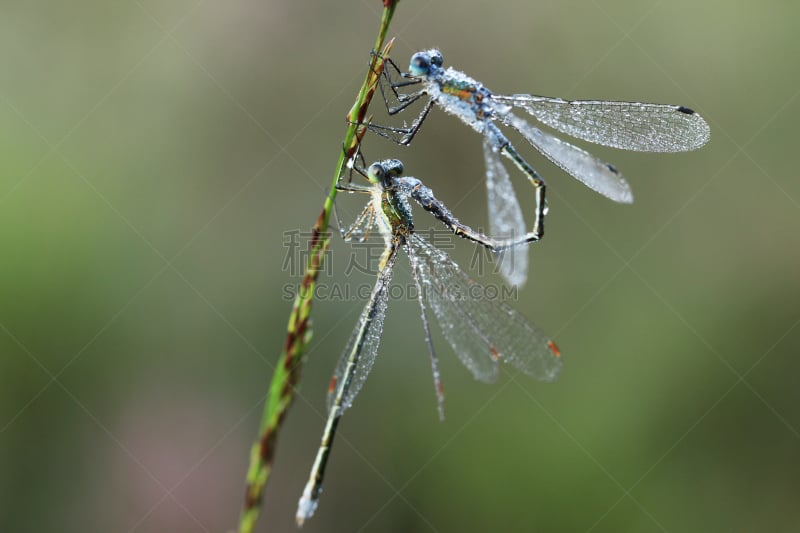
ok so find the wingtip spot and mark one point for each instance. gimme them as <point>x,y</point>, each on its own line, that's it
<point>494,354</point>
<point>554,348</point>
<point>686,110</point>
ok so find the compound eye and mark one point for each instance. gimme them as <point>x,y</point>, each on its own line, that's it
<point>395,167</point>
<point>420,64</point>
<point>375,172</point>
<point>436,58</point>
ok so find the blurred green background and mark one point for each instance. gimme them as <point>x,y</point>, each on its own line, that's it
<point>152,155</point>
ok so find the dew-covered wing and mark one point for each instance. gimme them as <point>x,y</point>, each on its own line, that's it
<point>627,125</point>
<point>362,348</point>
<point>580,164</point>
<point>482,329</point>
<point>361,227</point>
<point>505,216</point>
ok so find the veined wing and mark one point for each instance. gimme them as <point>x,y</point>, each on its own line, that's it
<point>627,125</point>
<point>482,330</point>
<point>359,354</point>
<point>580,164</point>
<point>360,229</point>
<point>505,215</point>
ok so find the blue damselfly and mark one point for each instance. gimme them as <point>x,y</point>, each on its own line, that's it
<point>626,125</point>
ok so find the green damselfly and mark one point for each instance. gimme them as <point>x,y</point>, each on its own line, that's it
<point>482,331</point>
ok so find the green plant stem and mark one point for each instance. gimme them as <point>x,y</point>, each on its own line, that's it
<point>287,373</point>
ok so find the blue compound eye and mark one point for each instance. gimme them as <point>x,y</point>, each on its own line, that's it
<point>436,58</point>
<point>394,167</point>
<point>420,64</point>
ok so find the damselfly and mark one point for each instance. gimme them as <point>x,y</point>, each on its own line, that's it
<point>626,125</point>
<point>483,331</point>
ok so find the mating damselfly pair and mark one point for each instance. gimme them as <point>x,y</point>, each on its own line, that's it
<point>483,332</point>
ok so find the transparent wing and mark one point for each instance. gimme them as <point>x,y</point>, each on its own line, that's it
<point>580,164</point>
<point>627,125</point>
<point>481,329</point>
<point>505,215</point>
<point>360,229</point>
<point>362,348</point>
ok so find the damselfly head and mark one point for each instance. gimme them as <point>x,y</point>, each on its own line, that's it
<point>421,62</point>
<point>381,171</point>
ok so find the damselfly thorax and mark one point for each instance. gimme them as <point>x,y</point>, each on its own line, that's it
<point>463,97</point>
